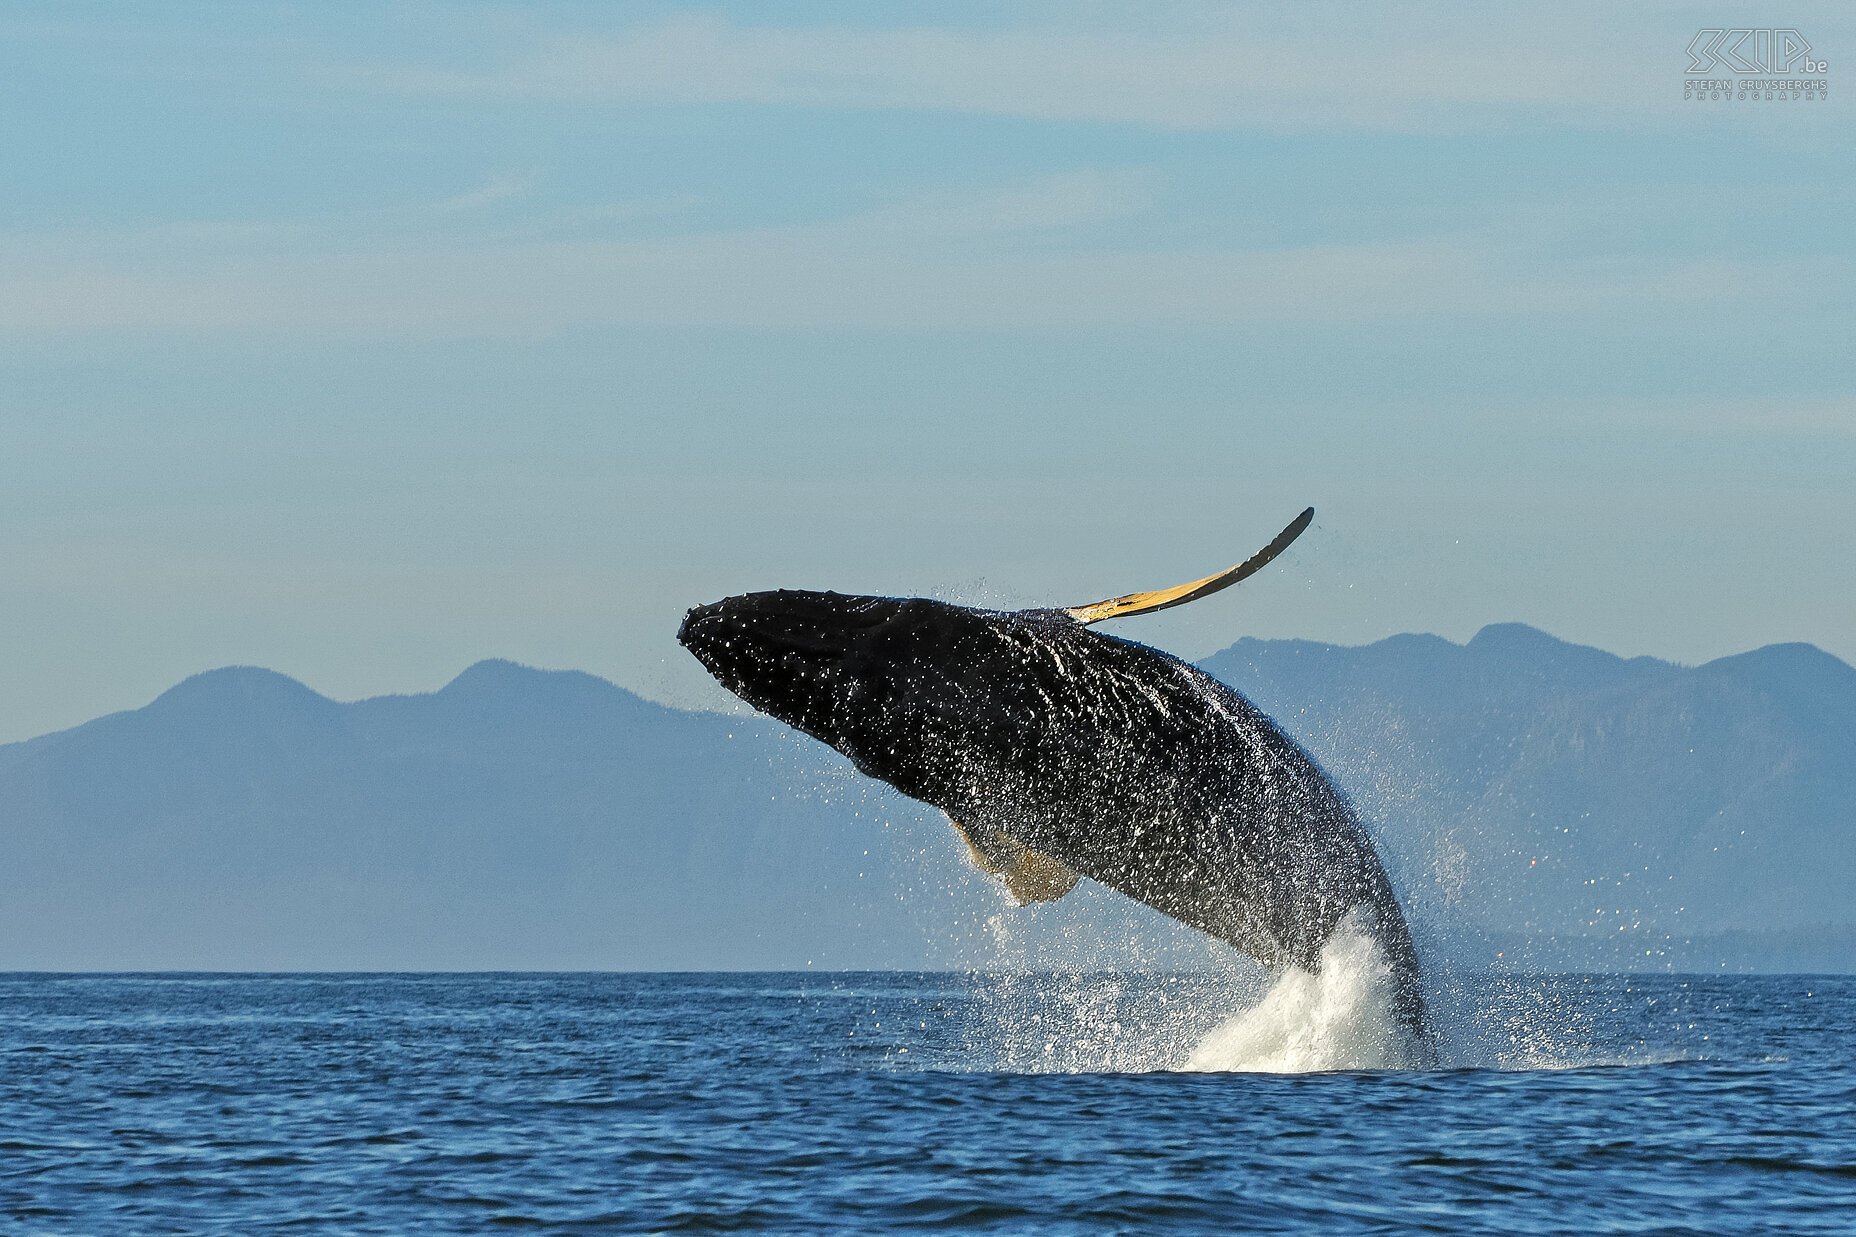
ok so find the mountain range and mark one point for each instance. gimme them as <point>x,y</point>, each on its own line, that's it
<point>1538,803</point>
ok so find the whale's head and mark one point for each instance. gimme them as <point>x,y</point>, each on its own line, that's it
<point>926,695</point>
<point>916,692</point>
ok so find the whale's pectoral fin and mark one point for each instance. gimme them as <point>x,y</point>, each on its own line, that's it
<point>1029,875</point>
<point>1180,594</point>
<point>1036,877</point>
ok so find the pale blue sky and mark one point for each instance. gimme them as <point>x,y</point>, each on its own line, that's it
<point>362,342</point>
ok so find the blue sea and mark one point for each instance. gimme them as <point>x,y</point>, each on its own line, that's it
<point>805,1103</point>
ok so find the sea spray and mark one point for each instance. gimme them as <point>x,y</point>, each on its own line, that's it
<point>1093,992</point>
<point>1106,1023</point>
<point>1239,1020</point>
<point>1343,1018</point>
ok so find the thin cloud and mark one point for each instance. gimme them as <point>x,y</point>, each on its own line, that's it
<point>1442,68</point>
<point>457,221</point>
<point>943,262</point>
<point>1036,204</point>
<point>496,190</point>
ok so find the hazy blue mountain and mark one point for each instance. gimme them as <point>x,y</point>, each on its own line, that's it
<point>514,818</point>
<point>518,818</point>
<point>1536,791</point>
<point>1531,796</point>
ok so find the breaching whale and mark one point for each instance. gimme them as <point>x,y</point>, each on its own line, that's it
<point>1059,752</point>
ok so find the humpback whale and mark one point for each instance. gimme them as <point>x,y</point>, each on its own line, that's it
<point>1060,752</point>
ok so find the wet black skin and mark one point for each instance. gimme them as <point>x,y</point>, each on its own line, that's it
<point>1124,763</point>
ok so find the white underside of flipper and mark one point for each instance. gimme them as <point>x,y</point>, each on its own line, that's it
<point>1029,875</point>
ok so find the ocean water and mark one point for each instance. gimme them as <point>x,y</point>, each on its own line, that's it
<point>885,1102</point>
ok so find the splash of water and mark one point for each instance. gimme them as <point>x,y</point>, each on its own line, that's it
<point>1340,1019</point>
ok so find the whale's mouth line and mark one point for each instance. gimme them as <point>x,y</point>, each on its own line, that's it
<point>737,651</point>
<point>812,625</point>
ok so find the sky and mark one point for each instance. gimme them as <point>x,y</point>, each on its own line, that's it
<point>362,342</point>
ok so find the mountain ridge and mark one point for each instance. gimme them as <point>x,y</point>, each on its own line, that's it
<point>1522,788</point>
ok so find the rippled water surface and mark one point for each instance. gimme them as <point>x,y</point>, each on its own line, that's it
<point>801,1103</point>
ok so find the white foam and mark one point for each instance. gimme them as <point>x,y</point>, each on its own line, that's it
<point>1340,1019</point>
